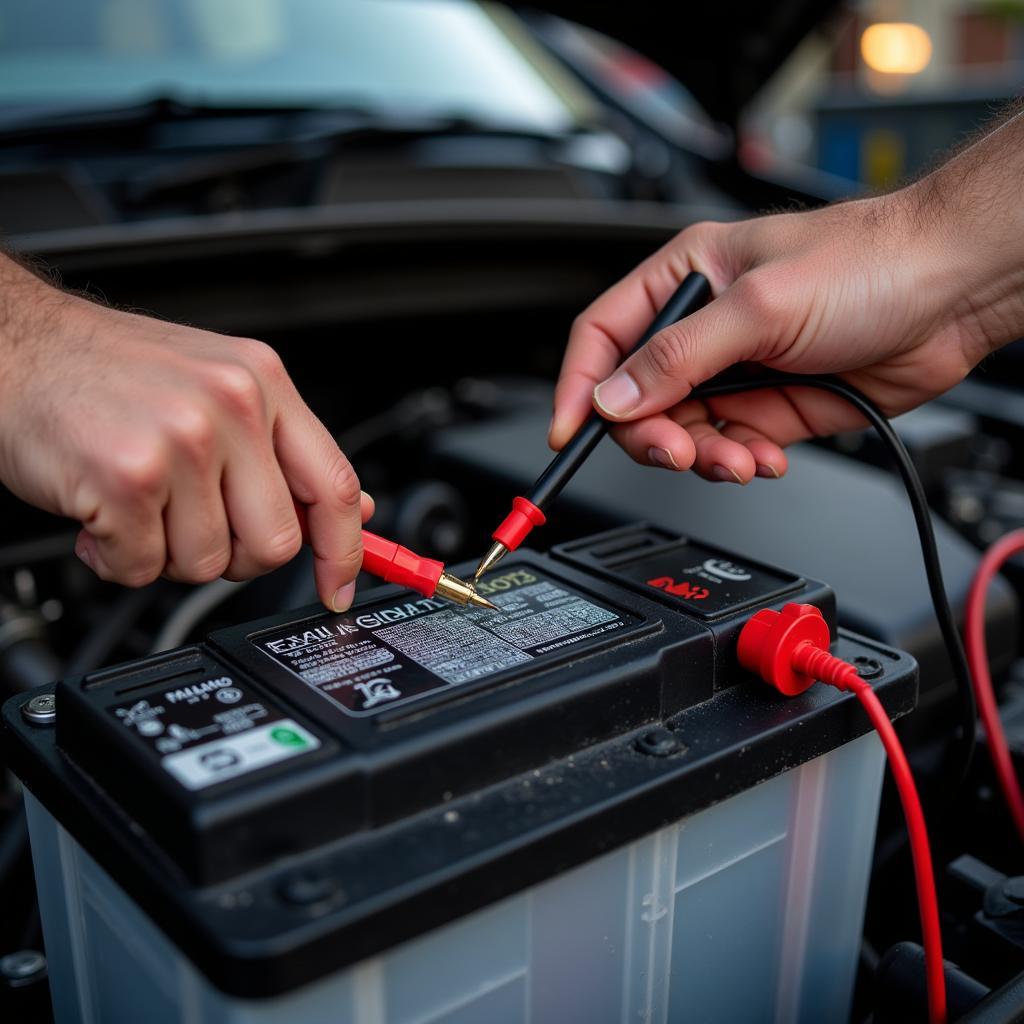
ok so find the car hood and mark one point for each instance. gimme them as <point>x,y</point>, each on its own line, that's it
<point>723,52</point>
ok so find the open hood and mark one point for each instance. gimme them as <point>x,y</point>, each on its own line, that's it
<point>723,52</point>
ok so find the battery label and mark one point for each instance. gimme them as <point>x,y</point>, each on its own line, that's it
<point>225,758</point>
<point>212,729</point>
<point>398,652</point>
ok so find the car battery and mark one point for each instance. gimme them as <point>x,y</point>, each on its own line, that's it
<point>576,808</point>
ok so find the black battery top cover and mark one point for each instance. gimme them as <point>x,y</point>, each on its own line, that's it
<point>693,576</point>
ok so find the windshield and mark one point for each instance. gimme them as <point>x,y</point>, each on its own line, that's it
<point>423,56</point>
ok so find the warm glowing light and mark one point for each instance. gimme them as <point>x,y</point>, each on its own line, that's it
<point>896,48</point>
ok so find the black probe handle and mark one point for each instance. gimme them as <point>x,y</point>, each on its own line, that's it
<point>687,299</point>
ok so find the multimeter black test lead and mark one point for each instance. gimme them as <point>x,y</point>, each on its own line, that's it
<point>528,512</point>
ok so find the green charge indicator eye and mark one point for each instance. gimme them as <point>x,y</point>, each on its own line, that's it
<point>287,737</point>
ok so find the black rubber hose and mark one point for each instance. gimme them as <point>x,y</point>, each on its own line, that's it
<point>901,990</point>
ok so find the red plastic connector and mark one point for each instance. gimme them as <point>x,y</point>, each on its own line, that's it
<point>395,564</point>
<point>789,650</point>
<point>518,523</point>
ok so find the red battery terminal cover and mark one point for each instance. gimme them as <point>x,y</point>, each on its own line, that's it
<point>789,650</point>
<point>395,564</point>
<point>518,523</point>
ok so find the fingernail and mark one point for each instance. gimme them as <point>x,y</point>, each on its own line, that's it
<point>84,554</point>
<point>662,457</point>
<point>726,474</point>
<point>768,471</point>
<point>343,597</point>
<point>618,395</point>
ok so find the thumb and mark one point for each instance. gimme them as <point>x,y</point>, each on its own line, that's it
<point>736,327</point>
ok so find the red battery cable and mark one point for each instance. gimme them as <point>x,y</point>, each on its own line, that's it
<point>789,650</point>
<point>977,658</point>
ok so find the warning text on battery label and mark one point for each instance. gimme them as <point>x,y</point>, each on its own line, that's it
<point>389,655</point>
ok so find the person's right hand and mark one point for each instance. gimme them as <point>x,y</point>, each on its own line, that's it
<point>893,300</point>
<point>181,452</point>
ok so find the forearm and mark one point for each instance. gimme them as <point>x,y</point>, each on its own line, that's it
<point>20,289</point>
<point>973,209</point>
<point>32,312</point>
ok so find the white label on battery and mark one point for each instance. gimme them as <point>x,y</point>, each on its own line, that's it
<point>230,756</point>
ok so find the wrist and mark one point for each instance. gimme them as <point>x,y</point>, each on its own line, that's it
<point>970,228</point>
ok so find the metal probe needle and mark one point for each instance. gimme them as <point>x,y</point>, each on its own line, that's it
<point>461,592</point>
<point>495,553</point>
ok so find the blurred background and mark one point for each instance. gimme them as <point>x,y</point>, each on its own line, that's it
<point>886,85</point>
<point>850,95</point>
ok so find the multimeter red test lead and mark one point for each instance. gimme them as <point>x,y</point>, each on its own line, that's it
<point>528,512</point>
<point>395,564</point>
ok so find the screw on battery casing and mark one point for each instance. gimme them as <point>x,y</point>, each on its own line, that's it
<point>40,710</point>
<point>22,968</point>
<point>311,890</point>
<point>868,668</point>
<point>660,742</point>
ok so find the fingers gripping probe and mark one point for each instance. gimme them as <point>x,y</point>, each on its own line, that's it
<point>528,512</point>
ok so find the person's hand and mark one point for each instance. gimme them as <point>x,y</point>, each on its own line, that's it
<point>182,453</point>
<point>894,301</point>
